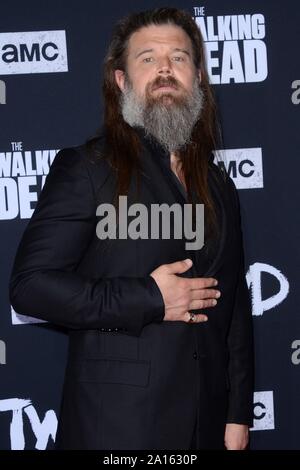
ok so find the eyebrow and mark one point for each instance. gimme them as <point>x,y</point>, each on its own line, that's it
<point>143,52</point>
<point>176,49</point>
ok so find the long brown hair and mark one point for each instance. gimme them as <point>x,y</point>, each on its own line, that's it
<point>122,145</point>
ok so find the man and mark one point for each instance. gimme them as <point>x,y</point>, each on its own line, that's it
<point>160,352</point>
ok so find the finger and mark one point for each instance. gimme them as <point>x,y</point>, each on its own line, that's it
<point>201,282</point>
<point>198,294</point>
<point>198,318</point>
<point>199,304</point>
<point>179,266</point>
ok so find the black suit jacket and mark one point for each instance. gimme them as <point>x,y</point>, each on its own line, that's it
<point>132,380</point>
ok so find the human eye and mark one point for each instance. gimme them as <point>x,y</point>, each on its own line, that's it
<point>147,60</point>
<point>178,58</point>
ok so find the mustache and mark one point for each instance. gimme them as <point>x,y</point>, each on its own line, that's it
<point>164,81</point>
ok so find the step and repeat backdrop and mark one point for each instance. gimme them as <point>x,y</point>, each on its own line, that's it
<point>50,97</point>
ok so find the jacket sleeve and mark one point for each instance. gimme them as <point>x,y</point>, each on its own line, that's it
<point>240,342</point>
<point>44,282</point>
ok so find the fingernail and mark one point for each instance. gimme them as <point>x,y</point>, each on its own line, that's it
<point>188,261</point>
<point>205,319</point>
<point>218,294</point>
<point>214,302</point>
<point>216,282</point>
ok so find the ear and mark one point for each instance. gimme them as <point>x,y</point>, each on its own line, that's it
<point>120,79</point>
<point>199,75</point>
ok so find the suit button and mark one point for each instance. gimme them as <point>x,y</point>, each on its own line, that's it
<point>195,355</point>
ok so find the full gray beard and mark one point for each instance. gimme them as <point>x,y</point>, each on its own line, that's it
<point>171,124</point>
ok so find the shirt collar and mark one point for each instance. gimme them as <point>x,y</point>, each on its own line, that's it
<point>152,144</point>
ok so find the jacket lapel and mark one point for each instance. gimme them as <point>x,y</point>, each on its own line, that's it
<point>160,179</point>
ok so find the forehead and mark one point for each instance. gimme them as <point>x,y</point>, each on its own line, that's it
<point>159,35</point>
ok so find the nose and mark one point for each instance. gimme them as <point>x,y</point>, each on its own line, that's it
<point>164,66</point>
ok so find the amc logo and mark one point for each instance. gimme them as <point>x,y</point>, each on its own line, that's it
<point>263,409</point>
<point>33,52</point>
<point>244,166</point>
